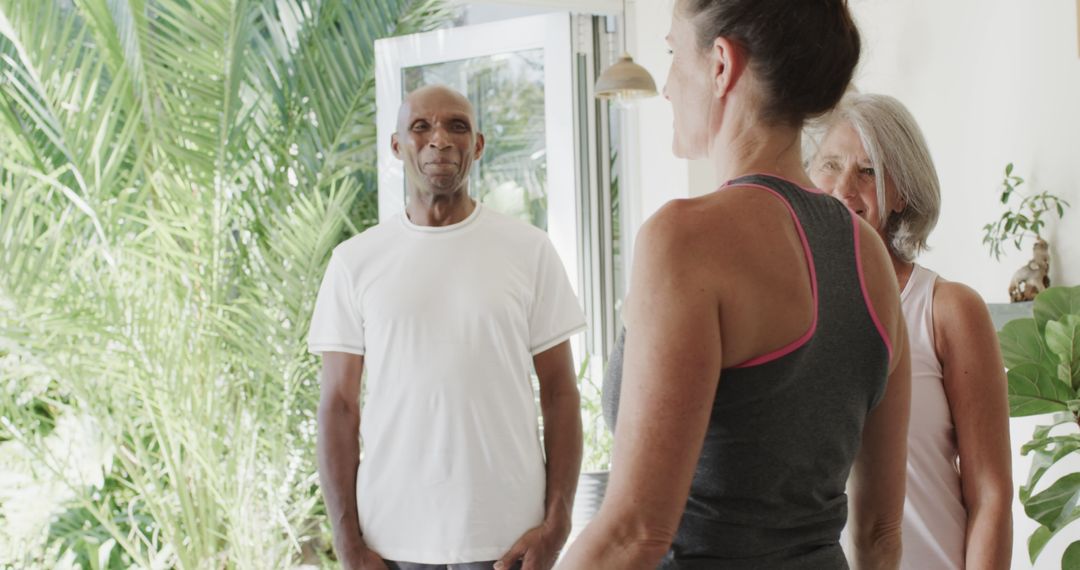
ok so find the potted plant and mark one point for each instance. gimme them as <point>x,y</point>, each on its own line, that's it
<point>1042,355</point>
<point>596,453</point>
<point>1019,223</point>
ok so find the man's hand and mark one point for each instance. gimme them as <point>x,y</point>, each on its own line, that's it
<point>360,558</point>
<point>537,549</point>
<point>561,405</point>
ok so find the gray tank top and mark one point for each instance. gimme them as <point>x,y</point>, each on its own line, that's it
<point>768,490</point>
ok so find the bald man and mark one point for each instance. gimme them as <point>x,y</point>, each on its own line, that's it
<point>449,306</point>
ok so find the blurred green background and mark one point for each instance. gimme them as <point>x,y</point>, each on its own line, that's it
<point>173,177</point>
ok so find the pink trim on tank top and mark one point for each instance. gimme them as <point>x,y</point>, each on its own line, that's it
<point>865,291</point>
<point>789,181</point>
<point>792,347</point>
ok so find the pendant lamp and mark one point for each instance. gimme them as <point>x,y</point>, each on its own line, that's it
<point>625,79</point>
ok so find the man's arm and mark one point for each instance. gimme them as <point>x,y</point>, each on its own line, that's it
<point>339,456</point>
<point>560,404</point>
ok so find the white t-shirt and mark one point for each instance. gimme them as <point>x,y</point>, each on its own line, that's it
<point>448,319</point>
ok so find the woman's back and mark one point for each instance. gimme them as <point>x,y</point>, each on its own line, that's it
<point>723,279</point>
<point>785,426</point>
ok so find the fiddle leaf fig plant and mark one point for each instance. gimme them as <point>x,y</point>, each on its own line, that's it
<point>1042,355</point>
<point>1022,221</point>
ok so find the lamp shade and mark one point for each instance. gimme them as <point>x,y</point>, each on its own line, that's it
<point>625,80</point>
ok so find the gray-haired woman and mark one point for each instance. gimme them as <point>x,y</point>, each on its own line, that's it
<point>874,159</point>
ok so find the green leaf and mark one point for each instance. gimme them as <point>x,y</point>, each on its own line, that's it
<point>1043,431</point>
<point>1056,302</point>
<point>1037,542</point>
<point>1042,442</point>
<point>1008,169</point>
<point>1056,506</point>
<point>105,554</point>
<point>1071,559</point>
<point>1044,454</point>
<point>1022,343</point>
<point>1063,339</point>
<point>162,131</point>
<point>1033,391</point>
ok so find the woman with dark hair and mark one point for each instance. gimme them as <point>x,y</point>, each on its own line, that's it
<point>765,350</point>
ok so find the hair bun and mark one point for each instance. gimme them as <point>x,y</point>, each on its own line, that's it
<point>803,51</point>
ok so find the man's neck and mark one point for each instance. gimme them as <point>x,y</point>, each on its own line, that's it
<point>438,211</point>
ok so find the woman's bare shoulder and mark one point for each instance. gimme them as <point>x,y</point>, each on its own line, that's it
<point>957,303</point>
<point>962,321</point>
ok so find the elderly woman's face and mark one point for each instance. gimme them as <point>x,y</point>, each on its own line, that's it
<point>843,168</point>
<point>688,88</point>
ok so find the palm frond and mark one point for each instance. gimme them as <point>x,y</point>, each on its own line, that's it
<point>173,177</point>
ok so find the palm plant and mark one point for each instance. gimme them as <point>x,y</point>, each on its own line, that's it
<point>173,176</point>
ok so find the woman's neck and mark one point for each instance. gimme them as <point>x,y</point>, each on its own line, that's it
<point>756,147</point>
<point>903,270</point>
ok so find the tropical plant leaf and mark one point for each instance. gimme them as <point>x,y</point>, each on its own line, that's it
<point>173,177</point>
<point>1041,434</point>
<point>1070,560</point>
<point>1033,391</point>
<point>1023,343</point>
<point>1063,339</point>
<point>1045,453</point>
<point>1054,303</point>
<point>1057,505</point>
<point>1037,541</point>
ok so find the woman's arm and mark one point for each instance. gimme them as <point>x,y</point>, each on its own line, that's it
<point>975,385</point>
<point>670,377</point>
<point>878,477</point>
<point>879,474</point>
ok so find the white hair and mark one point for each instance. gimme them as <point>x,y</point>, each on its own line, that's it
<point>897,149</point>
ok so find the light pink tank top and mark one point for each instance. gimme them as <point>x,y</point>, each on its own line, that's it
<point>935,519</point>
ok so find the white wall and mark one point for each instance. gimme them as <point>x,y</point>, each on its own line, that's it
<point>991,82</point>
<point>660,176</point>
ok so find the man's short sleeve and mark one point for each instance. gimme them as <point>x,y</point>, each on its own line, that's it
<point>555,314</point>
<point>336,325</point>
